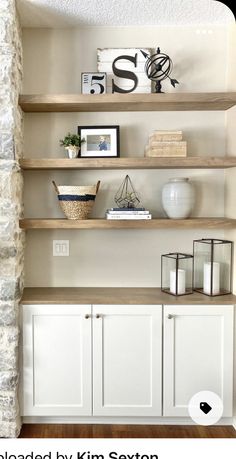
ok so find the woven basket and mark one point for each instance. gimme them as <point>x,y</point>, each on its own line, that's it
<point>76,201</point>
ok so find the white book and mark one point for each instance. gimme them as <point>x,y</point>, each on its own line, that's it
<point>128,217</point>
<point>166,136</point>
<point>128,212</point>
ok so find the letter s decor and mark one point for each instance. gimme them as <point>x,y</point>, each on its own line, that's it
<point>125,69</point>
<point>125,74</point>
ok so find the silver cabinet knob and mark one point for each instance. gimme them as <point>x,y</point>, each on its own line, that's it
<point>170,316</point>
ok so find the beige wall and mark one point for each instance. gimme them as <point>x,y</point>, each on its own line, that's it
<point>55,58</point>
<point>53,61</point>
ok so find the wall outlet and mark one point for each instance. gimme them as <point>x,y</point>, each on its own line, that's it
<point>61,248</point>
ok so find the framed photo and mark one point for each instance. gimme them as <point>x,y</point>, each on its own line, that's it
<point>93,83</point>
<point>100,141</point>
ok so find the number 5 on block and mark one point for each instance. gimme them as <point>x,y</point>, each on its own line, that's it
<point>93,83</point>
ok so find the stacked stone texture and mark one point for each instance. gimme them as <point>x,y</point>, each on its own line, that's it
<point>11,238</point>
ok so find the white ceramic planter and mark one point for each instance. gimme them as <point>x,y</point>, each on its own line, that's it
<point>72,152</point>
<point>178,198</point>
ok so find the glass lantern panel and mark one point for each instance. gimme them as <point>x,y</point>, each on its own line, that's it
<point>222,260</point>
<point>168,270</point>
<point>187,265</point>
<point>202,256</point>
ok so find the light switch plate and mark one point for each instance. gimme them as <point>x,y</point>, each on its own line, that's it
<point>61,248</point>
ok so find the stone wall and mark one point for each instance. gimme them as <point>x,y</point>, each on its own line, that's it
<point>11,238</point>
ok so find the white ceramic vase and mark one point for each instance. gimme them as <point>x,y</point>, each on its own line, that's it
<point>72,151</point>
<point>178,198</point>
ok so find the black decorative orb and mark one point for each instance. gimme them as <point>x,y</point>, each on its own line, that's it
<point>158,67</point>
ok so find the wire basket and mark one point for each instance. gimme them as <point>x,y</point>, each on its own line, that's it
<point>76,201</point>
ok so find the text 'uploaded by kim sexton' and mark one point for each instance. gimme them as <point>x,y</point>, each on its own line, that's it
<point>78,455</point>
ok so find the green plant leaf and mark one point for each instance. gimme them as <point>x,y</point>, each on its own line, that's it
<point>71,139</point>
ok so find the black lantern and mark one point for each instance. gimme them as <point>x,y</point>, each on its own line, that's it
<point>177,273</point>
<point>212,266</point>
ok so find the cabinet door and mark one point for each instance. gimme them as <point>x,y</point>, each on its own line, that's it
<point>57,360</point>
<point>127,358</point>
<point>198,355</point>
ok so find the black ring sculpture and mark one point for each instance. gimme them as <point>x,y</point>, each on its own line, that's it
<point>158,67</point>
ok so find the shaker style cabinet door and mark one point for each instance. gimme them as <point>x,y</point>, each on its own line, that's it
<point>198,355</point>
<point>56,360</point>
<point>127,360</point>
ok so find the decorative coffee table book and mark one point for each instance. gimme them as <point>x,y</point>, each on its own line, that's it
<point>166,144</point>
<point>128,213</point>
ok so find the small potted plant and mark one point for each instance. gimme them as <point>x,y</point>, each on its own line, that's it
<point>72,143</point>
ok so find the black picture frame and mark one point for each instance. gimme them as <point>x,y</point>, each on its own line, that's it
<point>91,134</point>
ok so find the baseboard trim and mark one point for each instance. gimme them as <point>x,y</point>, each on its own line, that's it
<point>115,420</point>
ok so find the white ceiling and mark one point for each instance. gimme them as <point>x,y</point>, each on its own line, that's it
<point>72,13</point>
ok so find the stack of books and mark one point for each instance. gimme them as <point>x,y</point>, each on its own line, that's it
<point>128,213</point>
<point>166,143</point>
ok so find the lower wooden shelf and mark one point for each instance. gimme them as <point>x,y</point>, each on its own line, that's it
<point>99,223</point>
<point>116,295</point>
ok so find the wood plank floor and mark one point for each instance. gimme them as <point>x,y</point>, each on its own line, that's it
<point>124,431</point>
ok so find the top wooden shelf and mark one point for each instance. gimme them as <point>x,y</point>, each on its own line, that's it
<point>127,102</point>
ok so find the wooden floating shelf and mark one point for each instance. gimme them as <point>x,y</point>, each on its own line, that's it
<point>126,102</point>
<point>106,295</point>
<point>130,163</point>
<point>164,223</point>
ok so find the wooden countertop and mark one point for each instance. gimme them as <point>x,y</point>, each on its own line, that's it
<point>105,295</point>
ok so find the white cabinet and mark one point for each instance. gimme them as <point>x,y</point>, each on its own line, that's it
<point>127,350</point>
<point>57,360</point>
<point>126,366</point>
<point>198,355</point>
<point>106,360</point>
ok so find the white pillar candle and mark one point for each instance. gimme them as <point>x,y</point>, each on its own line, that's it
<point>215,278</point>
<point>181,282</point>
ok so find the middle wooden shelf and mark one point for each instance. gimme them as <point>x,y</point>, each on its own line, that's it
<point>194,162</point>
